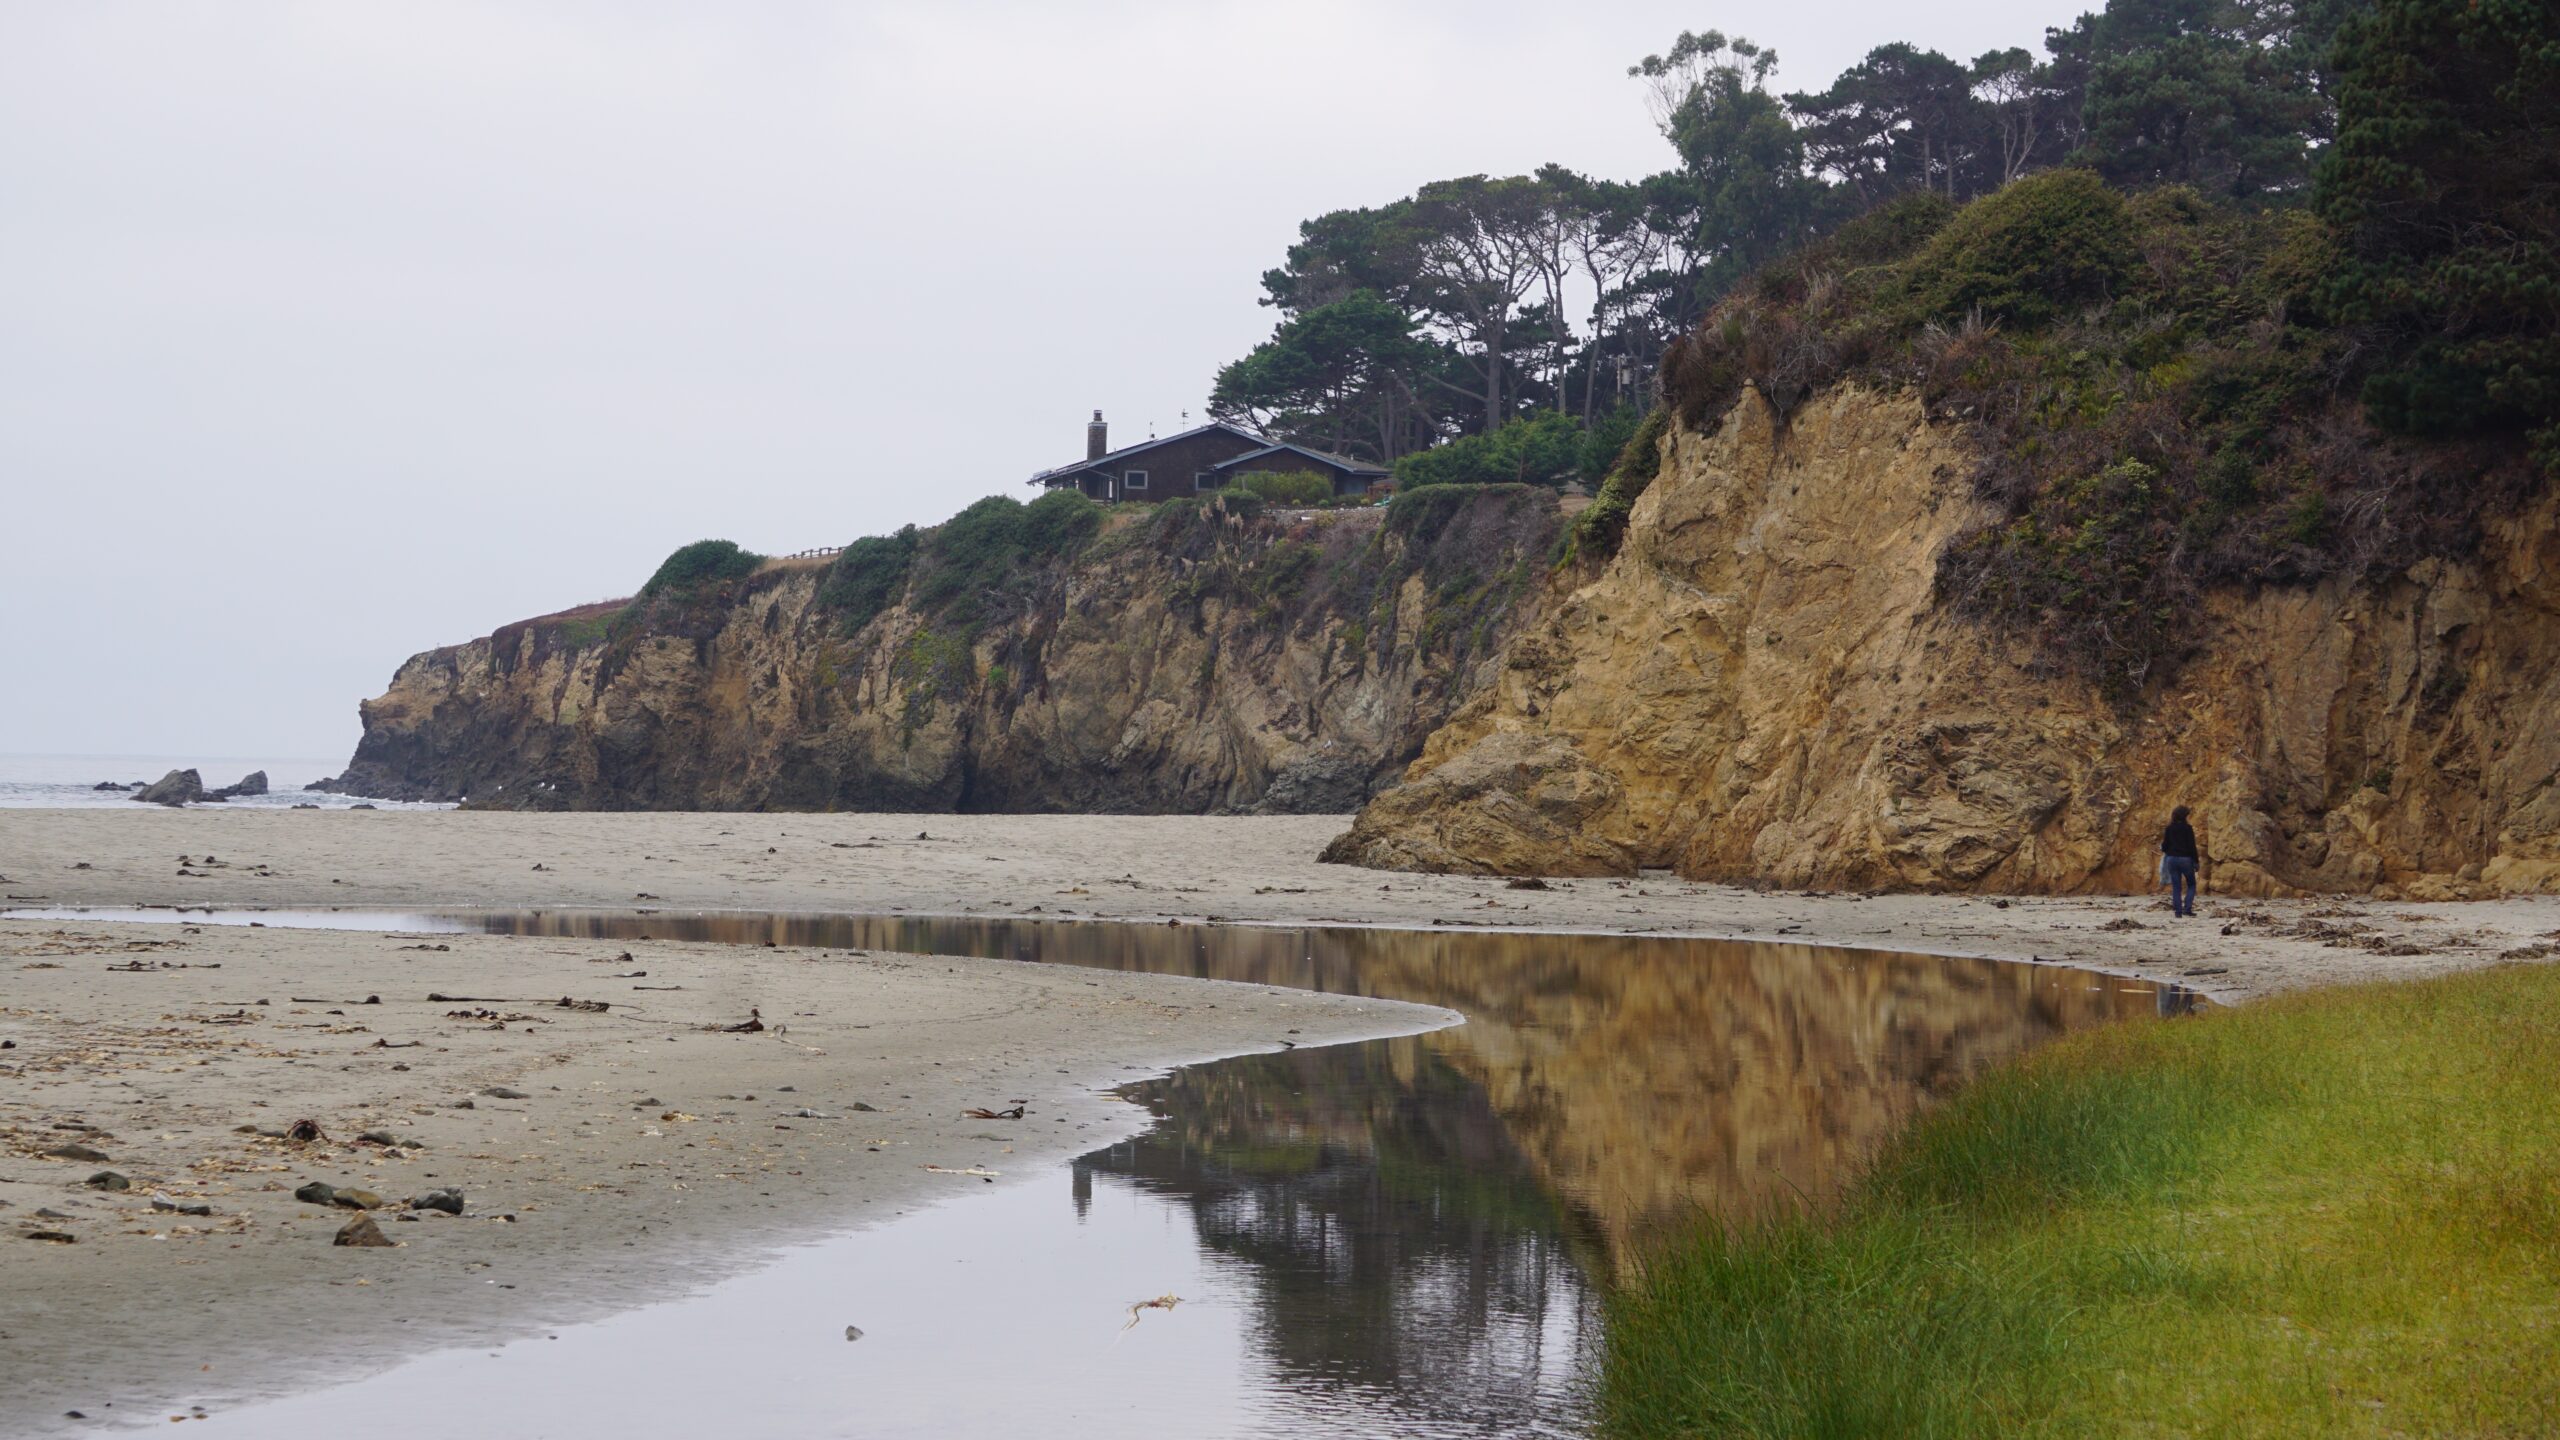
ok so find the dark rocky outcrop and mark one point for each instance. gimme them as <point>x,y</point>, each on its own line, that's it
<point>178,787</point>
<point>254,783</point>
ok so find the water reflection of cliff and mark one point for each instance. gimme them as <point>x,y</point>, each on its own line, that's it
<point>1636,1078</point>
<point>1394,1240</point>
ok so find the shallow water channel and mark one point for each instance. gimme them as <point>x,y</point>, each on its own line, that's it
<point>1402,1237</point>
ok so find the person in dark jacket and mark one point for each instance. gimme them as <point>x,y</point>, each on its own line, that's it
<point>2178,861</point>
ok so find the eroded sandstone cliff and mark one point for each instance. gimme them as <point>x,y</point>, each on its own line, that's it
<point>1764,686</point>
<point>1191,661</point>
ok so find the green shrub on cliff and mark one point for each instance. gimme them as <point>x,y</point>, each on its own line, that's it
<point>969,554</point>
<point>985,554</point>
<point>982,559</point>
<point>1286,487</point>
<point>1540,449</point>
<point>2024,254</point>
<point>1892,231</point>
<point>698,567</point>
<point>1602,525</point>
<point>869,576</point>
<point>933,666</point>
<point>1058,524</point>
<point>1605,441</point>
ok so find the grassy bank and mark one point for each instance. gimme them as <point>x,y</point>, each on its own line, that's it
<point>2332,1214</point>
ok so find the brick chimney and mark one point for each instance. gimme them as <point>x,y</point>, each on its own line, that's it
<point>1097,438</point>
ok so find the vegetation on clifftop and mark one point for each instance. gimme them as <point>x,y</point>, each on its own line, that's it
<point>982,564</point>
<point>698,567</point>
<point>1285,487</point>
<point>2327,1214</point>
<point>2172,391</point>
<point>1475,549</point>
<point>2440,189</point>
<point>1448,318</point>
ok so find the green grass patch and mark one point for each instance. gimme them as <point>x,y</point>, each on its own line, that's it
<point>2332,1214</point>
<point>579,631</point>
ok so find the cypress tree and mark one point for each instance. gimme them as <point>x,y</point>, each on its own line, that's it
<point>2444,189</point>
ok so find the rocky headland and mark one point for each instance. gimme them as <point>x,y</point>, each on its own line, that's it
<point>1200,659</point>
<point>1767,684</point>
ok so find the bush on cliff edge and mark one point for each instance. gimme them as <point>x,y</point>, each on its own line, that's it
<point>869,576</point>
<point>698,567</point>
<point>960,570</point>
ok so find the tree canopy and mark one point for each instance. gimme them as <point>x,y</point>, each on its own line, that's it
<point>2441,189</point>
<point>1482,300</point>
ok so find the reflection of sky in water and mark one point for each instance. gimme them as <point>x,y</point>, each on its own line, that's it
<point>1399,1237</point>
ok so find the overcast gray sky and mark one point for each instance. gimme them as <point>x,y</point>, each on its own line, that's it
<point>332,332</point>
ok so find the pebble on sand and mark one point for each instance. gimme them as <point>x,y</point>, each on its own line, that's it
<point>362,1231</point>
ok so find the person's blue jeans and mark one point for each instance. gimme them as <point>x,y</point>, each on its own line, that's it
<point>2181,870</point>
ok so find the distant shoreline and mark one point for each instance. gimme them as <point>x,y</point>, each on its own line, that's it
<point>69,782</point>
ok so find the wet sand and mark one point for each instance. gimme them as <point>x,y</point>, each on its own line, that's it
<point>1152,867</point>
<point>644,1149</point>
<point>651,1149</point>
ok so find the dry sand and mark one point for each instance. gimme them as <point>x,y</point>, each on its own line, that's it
<point>649,1152</point>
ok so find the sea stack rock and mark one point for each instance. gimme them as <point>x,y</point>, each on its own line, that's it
<point>175,788</point>
<point>253,783</point>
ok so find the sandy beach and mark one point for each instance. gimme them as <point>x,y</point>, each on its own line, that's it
<point>1242,870</point>
<point>604,1158</point>
<point>610,1156</point>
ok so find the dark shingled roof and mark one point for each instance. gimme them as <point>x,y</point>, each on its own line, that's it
<point>1321,457</point>
<point>1062,472</point>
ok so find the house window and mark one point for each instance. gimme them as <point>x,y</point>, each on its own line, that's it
<point>1205,481</point>
<point>1137,480</point>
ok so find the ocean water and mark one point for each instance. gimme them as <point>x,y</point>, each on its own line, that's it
<point>65,782</point>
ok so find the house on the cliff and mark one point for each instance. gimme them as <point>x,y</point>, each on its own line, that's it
<point>1198,461</point>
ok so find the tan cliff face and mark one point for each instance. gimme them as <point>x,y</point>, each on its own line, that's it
<point>1762,687</point>
<point>1246,672</point>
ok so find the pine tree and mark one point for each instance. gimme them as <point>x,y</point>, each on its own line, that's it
<point>2444,188</point>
